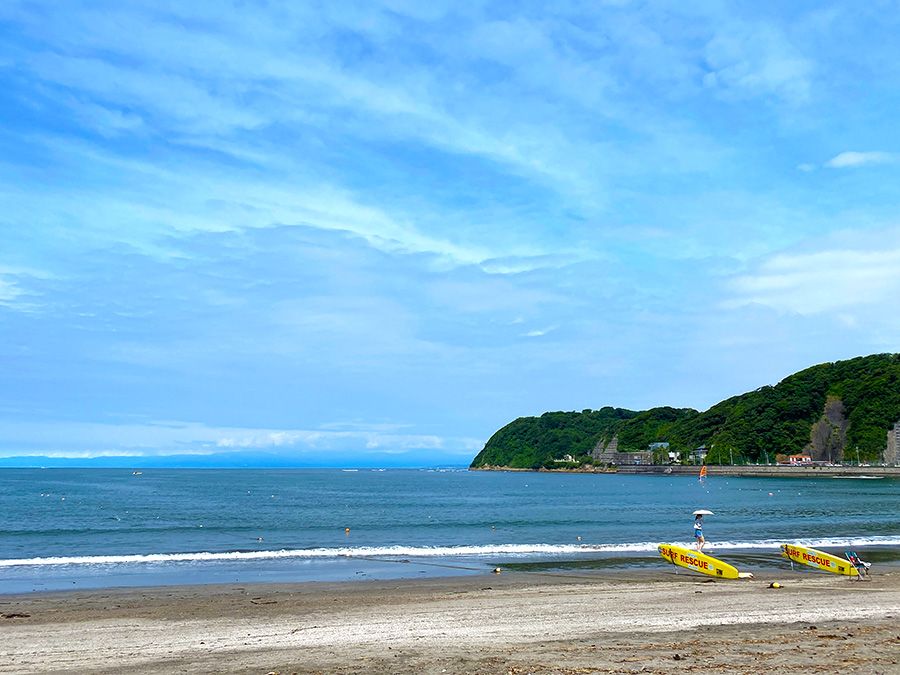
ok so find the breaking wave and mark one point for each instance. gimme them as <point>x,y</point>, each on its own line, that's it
<point>510,550</point>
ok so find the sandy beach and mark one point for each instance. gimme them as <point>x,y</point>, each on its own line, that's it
<point>507,623</point>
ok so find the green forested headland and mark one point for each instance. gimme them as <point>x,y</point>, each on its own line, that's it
<point>831,410</point>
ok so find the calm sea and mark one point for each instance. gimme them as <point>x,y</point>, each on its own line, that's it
<point>90,528</point>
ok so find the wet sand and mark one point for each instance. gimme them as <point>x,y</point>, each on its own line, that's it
<point>512,623</point>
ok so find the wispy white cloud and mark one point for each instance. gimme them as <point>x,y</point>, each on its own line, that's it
<point>540,332</point>
<point>9,291</point>
<point>851,159</point>
<point>184,101</point>
<point>751,60</point>
<point>835,280</point>
<point>246,71</point>
<point>15,292</point>
<point>221,83</point>
<point>174,200</point>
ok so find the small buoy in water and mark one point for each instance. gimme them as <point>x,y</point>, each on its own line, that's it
<point>771,494</point>
<point>578,538</point>
<point>496,570</point>
<point>775,584</point>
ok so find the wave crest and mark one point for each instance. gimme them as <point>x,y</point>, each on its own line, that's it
<point>513,550</point>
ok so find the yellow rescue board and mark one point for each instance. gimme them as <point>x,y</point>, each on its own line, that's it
<point>699,562</point>
<point>818,559</point>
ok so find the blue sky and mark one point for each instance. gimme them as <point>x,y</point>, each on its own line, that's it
<point>376,232</point>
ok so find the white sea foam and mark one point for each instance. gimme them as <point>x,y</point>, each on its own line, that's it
<point>511,550</point>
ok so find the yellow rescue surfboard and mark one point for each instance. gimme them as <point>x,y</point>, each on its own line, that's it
<point>818,559</point>
<point>699,562</point>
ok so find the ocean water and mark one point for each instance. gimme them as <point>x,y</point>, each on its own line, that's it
<point>91,528</point>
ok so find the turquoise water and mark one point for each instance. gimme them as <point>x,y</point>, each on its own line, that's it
<point>75,528</point>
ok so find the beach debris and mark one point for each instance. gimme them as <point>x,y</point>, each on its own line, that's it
<point>677,657</point>
<point>15,615</point>
<point>775,584</point>
<point>260,601</point>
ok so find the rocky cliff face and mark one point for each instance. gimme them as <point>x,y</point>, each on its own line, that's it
<point>603,450</point>
<point>828,438</point>
<point>892,452</point>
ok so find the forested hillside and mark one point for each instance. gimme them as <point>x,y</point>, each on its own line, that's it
<point>830,410</point>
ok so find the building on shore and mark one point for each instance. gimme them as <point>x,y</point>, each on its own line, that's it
<point>698,455</point>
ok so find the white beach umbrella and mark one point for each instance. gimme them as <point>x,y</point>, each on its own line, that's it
<point>703,512</point>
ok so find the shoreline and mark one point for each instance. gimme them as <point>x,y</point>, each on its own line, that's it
<point>514,622</point>
<point>578,559</point>
<point>748,470</point>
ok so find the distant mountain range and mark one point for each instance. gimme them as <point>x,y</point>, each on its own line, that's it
<point>830,411</point>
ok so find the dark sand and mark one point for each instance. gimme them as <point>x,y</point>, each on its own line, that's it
<point>512,623</point>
